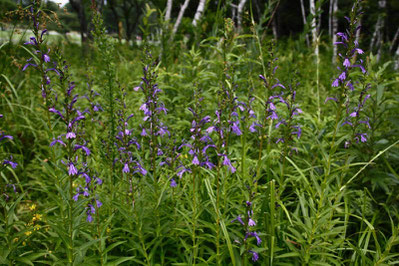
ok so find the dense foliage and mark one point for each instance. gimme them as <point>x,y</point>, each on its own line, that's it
<point>225,148</point>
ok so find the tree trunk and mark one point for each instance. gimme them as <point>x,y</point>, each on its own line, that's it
<point>78,6</point>
<point>397,59</point>
<point>334,28</point>
<point>314,27</point>
<point>376,39</point>
<point>180,16</point>
<point>233,11</point>
<point>395,38</point>
<point>304,21</point>
<point>168,10</point>
<point>330,18</point>
<point>199,12</point>
<point>274,27</point>
<point>240,8</point>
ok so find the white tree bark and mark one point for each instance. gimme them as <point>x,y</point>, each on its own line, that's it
<point>330,16</point>
<point>233,11</point>
<point>334,28</point>
<point>168,10</point>
<point>314,28</point>
<point>199,12</point>
<point>377,35</point>
<point>304,21</point>
<point>240,8</point>
<point>395,38</point>
<point>397,59</point>
<point>180,16</point>
<point>274,27</point>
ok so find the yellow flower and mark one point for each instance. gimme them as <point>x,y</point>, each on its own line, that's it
<point>37,217</point>
<point>24,243</point>
<point>32,207</point>
<point>108,230</point>
<point>15,239</point>
<point>28,233</point>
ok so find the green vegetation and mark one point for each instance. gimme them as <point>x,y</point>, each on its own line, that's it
<point>213,146</point>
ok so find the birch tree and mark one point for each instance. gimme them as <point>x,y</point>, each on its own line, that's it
<point>395,37</point>
<point>334,28</point>
<point>180,16</point>
<point>168,10</point>
<point>376,39</point>
<point>313,26</point>
<point>397,59</point>
<point>240,9</point>
<point>304,21</point>
<point>199,12</point>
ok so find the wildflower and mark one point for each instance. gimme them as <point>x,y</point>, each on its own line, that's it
<point>72,169</point>
<point>173,183</point>
<point>239,220</point>
<point>255,256</point>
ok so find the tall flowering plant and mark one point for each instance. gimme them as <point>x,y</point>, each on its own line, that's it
<point>127,145</point>
<point>350,87</point>
<point>152,127</point>
<point>41,62</point>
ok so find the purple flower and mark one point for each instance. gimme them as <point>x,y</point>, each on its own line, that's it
<point>55,111</point>
<point>6,137</point>
<point>99,203</point>
<point>335,83</point>
<point>11,163</point>
<point>363,137</point>
<point>353,114</point>
<point>251,222</point>
<point>255,256</point>
<point>227,162</point>
<point>76,197</point>
<point>346,63</point>
<point>254,234</point>
<point>126,168</point>
<point>84,148</point>
<point>46,58</point>
<point>342,77</point>
<point>89,218</point>
<point>70,135</point>
<point>72,170</point>
<point>236,130</point>
<point>239,220</point>
<point>173,183</point>
<point>330,98</point>
<point>195,160</point>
